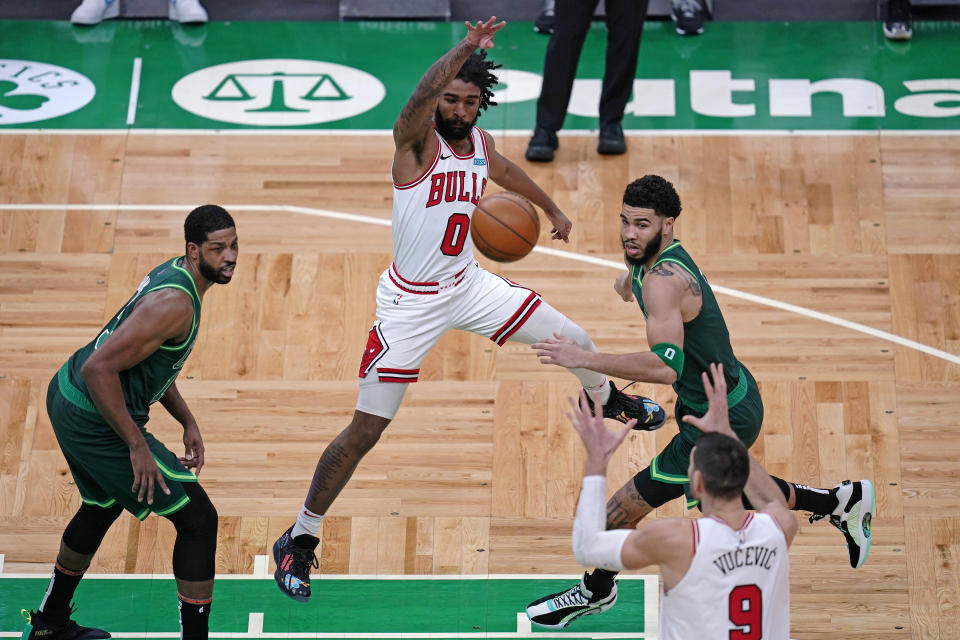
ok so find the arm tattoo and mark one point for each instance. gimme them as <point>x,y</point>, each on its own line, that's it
<point>693,284</point>
<point>438,76</point>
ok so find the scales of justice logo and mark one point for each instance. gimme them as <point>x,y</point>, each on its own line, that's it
<point>278,92</point>
<point>32,91</point>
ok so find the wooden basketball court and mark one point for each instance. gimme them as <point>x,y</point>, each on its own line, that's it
<point>480,471</point>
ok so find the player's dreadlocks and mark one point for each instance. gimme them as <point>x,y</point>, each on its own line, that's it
<point>477,70</point>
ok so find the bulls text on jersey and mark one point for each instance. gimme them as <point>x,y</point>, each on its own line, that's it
<point>456,186</point>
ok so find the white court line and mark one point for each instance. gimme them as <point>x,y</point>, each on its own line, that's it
<point>500,132</point>
<point>261,566</point>
<point>134,91</point>
<point>255,624</point>
<point>567,255</point>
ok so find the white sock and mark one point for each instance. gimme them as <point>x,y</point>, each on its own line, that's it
<point>308,522</point>
<point>601,392</point>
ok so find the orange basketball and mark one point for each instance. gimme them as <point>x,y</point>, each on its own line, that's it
<point>505,226</point>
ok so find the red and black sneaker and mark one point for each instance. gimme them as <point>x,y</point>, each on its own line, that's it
<point>295,557</point>
<point>624,407</point>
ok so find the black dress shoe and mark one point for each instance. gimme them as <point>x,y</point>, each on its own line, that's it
<point>611,139</point>
<point>542,145</point>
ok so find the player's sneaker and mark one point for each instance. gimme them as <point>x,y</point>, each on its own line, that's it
<point>39,627</point>
<point>624,407</point>
<point>186,11</point>
<point>898,20</point>
<point>558,610</point>
<point>853,517</point>
<point>687,16</point>
<point>94,11</point>
<point>294,562</point>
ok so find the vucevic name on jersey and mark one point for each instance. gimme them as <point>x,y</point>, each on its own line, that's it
<point>431,215</point>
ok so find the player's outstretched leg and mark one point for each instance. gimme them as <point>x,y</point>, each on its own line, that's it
<point>546,322</point>
<point>558,610</point>
<point>853,516</point>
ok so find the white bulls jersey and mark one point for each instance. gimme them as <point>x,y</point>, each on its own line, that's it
<point>431,215</point>
<point>738,585</point>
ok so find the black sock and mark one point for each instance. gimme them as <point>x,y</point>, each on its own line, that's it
<point>194,616</point>
<point>56,603</point>
<point>600,582</point>
<point>783,485</point>
<point>819,502</point>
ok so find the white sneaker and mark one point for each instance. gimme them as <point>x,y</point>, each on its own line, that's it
<point>558,610</point>
<point>187,11</point>
<point>94,11</point>
<point>854,517</point>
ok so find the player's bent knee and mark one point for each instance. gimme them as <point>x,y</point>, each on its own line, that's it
<point>87,528</point>
<point>365,430</point>
<point>195,550</point>
<point>655,493</point>
<point>198,519</point>
<point>546,321</point>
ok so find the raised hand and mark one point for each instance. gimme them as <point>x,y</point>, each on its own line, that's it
<point>599,441</point>
<point>481,34</point>
<point>717,417</point>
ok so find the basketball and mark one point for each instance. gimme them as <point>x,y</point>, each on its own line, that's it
<point>505,226</point>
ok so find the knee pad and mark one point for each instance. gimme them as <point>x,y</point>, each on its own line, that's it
<point>655,493</point>
<point>88,527</point>
<point>195,550</point>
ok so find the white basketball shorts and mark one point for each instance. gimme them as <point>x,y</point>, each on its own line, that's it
<point>412,316</point>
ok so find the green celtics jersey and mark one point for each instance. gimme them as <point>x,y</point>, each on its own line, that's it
<point>144,383</point>
<point>705,338</point>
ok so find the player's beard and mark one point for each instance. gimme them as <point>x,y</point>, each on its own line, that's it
<point>213,275</point>
<point>452,129</point>
<point>650,251</point>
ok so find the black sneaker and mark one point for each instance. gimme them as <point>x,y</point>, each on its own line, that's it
<point>624,407</point>
<point>558,610</point>
<point>898,20</point>
<point>39,627</point>
<point>687,17</point>
<point>611,141</point>
<point>853,516</point>
<point>542,145</point>
<point>294,561</point>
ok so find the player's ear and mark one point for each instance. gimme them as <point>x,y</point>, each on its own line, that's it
<point>193,251</point>
<point>667,225</point>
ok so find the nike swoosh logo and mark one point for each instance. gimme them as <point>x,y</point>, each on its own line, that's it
<point>443,157</point>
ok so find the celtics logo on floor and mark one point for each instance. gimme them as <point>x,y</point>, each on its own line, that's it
<point>278,92</point>
<point>33,91</point>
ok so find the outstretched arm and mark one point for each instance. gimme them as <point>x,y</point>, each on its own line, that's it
<point>413,124</point>
<point>512,178</point>
<point>662,297</point>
